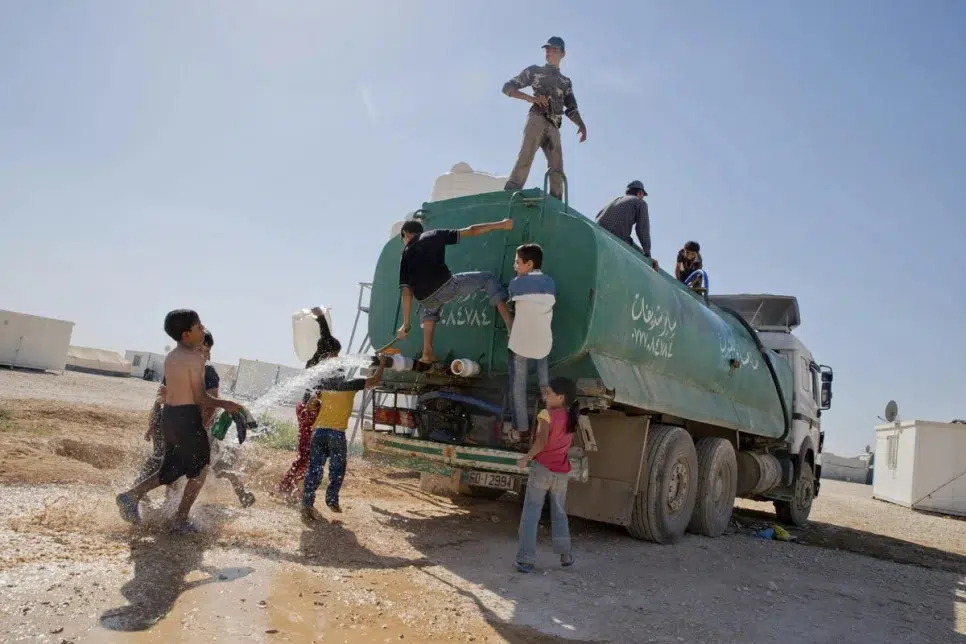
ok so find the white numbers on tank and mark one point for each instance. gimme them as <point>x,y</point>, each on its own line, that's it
<point>654,328</point>
<point>468,310</point>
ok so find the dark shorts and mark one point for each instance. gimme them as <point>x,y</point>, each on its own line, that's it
<point>186,448</point>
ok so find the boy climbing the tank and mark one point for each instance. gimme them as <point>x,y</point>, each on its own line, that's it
<point>533,295</point>
<point>425,277</point>
<point>552,99</point>
<point>186,446</point>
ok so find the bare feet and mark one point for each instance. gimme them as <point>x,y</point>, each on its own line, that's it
<point>427,358</point>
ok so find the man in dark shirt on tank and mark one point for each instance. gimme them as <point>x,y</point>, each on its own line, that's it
<point>626,214</point>
<point>423,275</point>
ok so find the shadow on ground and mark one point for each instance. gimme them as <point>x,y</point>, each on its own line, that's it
<point>677,587</point>
<point>827,535</point>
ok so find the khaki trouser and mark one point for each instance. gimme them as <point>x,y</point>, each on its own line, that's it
<point>539,133</point>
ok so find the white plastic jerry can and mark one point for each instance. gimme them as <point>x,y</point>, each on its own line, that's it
<point>306,333</point>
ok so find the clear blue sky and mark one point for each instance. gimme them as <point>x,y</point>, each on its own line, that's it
<point>247,159</point>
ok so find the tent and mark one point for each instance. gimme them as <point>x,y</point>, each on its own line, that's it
<point>99,361</point>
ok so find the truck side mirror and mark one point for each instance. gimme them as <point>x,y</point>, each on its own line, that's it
<point>826,391</point>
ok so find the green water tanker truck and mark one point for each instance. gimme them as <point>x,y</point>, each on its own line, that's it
<point>688,400</point>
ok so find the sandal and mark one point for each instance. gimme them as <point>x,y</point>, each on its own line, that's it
<point>525,568</point>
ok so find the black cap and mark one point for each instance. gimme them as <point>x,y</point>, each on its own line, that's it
<point>555,41</point>
<point>636,185</point>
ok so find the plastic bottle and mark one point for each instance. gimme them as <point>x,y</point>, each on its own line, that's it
<point>220,428</point>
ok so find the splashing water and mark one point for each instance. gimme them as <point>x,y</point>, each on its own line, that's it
<point>305,380</point>
<point>293,387</point>
<point>274,397</point>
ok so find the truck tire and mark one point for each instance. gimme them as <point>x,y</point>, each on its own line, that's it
<point>717,485</point>
<point>796,511</point>
<point>663,505</point>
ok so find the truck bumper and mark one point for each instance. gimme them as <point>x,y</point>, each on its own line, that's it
<point>450,460</point>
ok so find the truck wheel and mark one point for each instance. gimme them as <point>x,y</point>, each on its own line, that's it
<point>663,506</point>
<point>717,484</point>
<point>796,511</point>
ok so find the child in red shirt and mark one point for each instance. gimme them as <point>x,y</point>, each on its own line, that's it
<point>550,456</point>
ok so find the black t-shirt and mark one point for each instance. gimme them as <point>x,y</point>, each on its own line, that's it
<point>423,265</point>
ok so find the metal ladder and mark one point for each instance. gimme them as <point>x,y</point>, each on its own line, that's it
<point>365,345</point>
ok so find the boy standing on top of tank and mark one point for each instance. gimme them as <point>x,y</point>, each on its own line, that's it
<point>423,275</point>
<point>334,400</point>
<point>628,213</point>
<point>533,295</point>
<point>186,447</point>
<point>553,97</point>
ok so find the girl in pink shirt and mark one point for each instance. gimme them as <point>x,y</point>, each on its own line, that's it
<point>549,463</point>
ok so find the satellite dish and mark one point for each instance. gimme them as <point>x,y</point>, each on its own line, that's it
<point>891,411</point>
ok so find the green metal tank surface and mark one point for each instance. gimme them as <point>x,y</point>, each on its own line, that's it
<point>645,335</point>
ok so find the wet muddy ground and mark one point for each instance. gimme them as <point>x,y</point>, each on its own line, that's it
<point>403,565</point>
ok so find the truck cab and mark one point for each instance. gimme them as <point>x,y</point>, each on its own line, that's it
<point>775,318</point>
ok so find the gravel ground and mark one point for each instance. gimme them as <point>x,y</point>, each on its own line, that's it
<point>402,564</point>
<point>121,393</point>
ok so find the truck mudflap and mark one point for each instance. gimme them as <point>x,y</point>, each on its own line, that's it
<point>473,465</point>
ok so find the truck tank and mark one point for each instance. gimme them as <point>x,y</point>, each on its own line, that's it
<point>656,344</point>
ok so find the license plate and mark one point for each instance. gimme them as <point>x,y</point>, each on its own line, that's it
<point>492,479</point>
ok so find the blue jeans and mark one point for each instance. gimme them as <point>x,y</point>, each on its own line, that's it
<point>540,483</point>
<point>518,387</point>
<point>460,285</point>
<point>326,444</point>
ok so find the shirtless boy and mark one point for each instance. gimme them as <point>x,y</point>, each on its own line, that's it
<point>186,448</point>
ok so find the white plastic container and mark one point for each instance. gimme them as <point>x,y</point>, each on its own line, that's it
<point>305,332</point>
<point>464,368</point>
<point>463,181</point>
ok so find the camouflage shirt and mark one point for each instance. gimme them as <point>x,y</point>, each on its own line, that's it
<point>547,80</point>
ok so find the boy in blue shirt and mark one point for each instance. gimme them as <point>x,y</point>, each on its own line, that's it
<point>533,294</point>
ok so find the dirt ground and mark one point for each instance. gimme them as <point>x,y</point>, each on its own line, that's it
<point>400,564</point>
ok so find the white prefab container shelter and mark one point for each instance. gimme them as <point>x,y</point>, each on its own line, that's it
<point>852,470</point>
<point>99,361</point>
<point>921,465</point>
<point>256,378</point>
<point>142,361</point>
<point>33,342</point>
<point>227,373</point>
